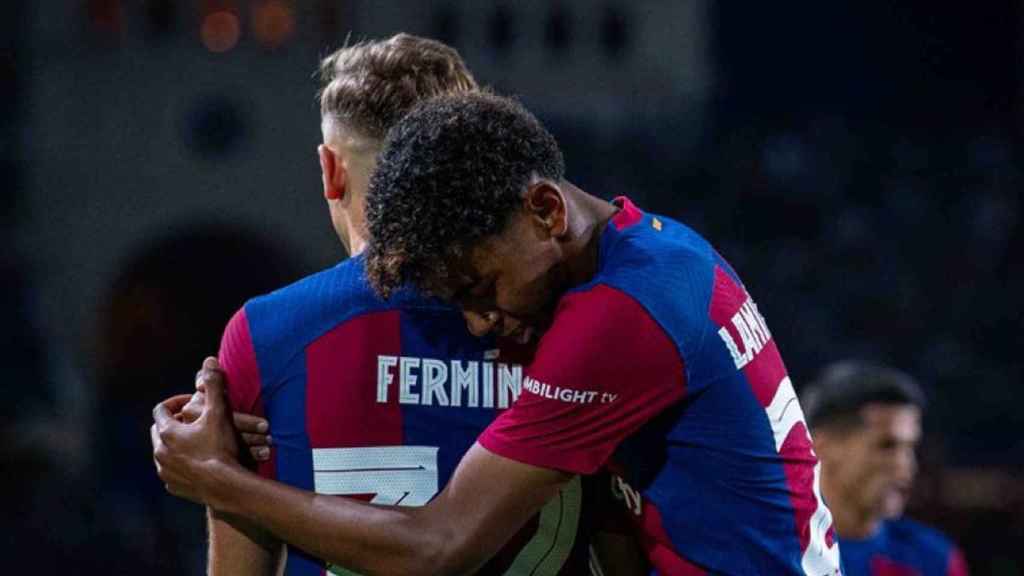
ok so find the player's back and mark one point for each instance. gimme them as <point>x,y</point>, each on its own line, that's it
<point>728,476</point>
<point>379,401</point>
<point>902,547</point>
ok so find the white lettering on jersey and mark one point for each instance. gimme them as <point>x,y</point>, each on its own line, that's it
<point>465,380</point>
<point>435,376</point>
<point>433,382</point>
<point>408,476</point>
<point>384,377</point>
<point>407,380</point>
<point>633,500</point>
<point>487,369</point>
<point>561,394</point>
<point>747,338</point>
<point>510,381</point>
<point>753,331</point>
<point>784,413</point>
<point>395,475</point>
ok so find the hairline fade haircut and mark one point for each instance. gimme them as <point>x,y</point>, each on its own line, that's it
<point>836,398</point>
<point>452,173</point>
<point>368,86</point>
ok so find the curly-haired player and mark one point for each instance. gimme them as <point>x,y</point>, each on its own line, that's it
<point>654,361</point>
<point>365,397</point>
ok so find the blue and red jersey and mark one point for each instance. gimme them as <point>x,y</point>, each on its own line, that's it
<point>902,547</point>
<point>379,400</point>
<point>662,369</point>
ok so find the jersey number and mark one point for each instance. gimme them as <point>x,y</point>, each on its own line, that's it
<point>407,476</point>
<point>784,414</point>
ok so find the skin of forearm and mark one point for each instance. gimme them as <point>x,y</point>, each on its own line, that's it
<point>369,539</point>
<point>237,547</point>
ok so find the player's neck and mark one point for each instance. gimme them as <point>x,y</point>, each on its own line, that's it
<point>853,523</point>
<point>588,217</point>
<point>354,243</point>
<point>351,232</point>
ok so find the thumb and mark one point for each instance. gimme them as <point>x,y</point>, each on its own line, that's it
<point>209,363</point>
<point>212,382</point>
<point>174,404</point>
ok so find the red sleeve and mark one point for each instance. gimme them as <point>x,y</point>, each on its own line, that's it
<point>603,369</point>
<point>237,358</point>
<point>956,566</point>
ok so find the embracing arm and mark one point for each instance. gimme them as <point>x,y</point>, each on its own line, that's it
<point>492,492</point>
<point>487,500</point>
<point>236,548</point>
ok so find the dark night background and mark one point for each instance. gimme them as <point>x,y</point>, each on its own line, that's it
<point>859,163</point>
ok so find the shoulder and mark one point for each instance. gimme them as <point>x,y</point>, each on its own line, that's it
<point>340,287</point>
<point>649,242</point>
<point>286,321</point>
<point>603,339</point>
<point>596,314</point>
<point>668,269</point>
<point>921,536</point>
<point>301,312</point>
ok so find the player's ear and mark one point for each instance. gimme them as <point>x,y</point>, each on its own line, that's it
<point>333,173</point>
<point>545,203</point>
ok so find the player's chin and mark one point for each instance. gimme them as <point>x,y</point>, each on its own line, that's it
<point>894,502</point>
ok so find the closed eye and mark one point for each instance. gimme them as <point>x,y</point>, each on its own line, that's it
<point>478,296</point>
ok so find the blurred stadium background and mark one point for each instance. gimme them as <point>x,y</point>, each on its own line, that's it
<point>859,163</point>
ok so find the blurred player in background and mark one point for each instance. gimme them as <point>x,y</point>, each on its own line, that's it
<point>866,423</point>
<point>654,361</point>
<point>367,398</point>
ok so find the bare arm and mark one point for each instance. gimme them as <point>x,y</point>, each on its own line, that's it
<point>239,549</point>
<point>236,546</point>
<point>486,501</point>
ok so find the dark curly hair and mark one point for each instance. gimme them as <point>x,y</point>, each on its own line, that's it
<point>452,172</point>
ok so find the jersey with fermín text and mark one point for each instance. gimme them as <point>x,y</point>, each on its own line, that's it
<point>379,401</point>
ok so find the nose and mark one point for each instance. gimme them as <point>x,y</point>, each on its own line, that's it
<point>480,323</point>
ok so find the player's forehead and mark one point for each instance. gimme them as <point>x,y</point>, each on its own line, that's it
<point>471,268</point>
<point>483,259</point>
<point>900,420</point>
<point>468,268</point>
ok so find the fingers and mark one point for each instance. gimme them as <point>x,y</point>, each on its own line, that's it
<point>250,424</point>
<point>175,403</point>
<point>154,438</point>
<point>159,452</point>
<point>194,409</point>
<point>260,453</point>
<point>253,430</point>
<point>209,364</point>
<point>256,440</point>
<point>162,415</point>
<point>212,381</point>
<point>174,481</point>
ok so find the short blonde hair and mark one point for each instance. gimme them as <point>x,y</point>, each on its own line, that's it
<point>369,86</point>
